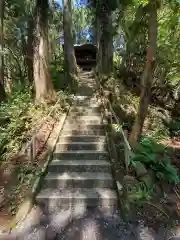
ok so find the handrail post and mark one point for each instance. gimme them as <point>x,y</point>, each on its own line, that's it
<point>34,147</point>
<point>111,118</point>
<point>126,151</point>
<point>30,152</point>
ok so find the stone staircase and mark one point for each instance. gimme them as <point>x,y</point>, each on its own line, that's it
<point>80,172</point>
<point>79,181</point>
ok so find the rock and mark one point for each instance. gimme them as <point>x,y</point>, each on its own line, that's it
<point>172,205</point>
<point>144,233</point>
<point>170,209</point>
<point>129,180</point>
<point>171,199</point>
<point>173,233</point>
<point>140,169</point>
<point>158,191</point>
<point>147,180</point>
<point>119,187</point>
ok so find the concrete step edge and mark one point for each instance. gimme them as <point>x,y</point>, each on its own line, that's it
<point>95,136</point>
<point>79,143</point>
<point>56,162</point>
<point>79,176</point>
<point>75,193</point>
<point>84,152</point>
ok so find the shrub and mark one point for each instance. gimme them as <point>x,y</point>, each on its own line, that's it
<point>156,157</point>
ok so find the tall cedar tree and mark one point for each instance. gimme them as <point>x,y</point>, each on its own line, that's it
<point>2,91</point>
<point>69,55</point>
<point>43,84</point>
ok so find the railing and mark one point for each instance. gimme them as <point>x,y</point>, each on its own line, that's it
<point>115,120</point>
<point>30,149</point>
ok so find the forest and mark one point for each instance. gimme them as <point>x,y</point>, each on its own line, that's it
<point>137,65</point>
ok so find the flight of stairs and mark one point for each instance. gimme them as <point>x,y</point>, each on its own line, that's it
<point>80,172</point>
<point>79,176</point>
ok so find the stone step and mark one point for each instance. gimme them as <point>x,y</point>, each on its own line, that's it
<point>82,98</point>
<point>81,123</point>
<point>85,110</point>
<point>53,200</point>
<point>87,101</point>
<point>82,138</point>
<point>60,166</point>
<point>79,180</point>
<point>81,155</point>
<point>82,114</point>
<point>76,114</point>
<point>76,146</point>
<point>84,120</point>
<point>83,130</point>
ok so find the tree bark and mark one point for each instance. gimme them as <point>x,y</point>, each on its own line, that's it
<point>96,31</point>
<point>2,90</point>
<point>147,76</point>
<point>29,60</point>
<point>43,85</point>
<point>69,55</point>
<point>105,54</point>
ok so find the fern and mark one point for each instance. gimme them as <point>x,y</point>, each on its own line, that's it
<point>156,157</point>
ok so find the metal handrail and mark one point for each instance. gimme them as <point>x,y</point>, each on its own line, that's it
<point>127,146</point>
<point>31,145</point>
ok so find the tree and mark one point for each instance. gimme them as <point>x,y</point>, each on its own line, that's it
<point>104,31</point>
<point>105,52</point>
<point>82,21</point>
<point>135,37</point>
<point>18,42</point>
<point>43,84</point>
<point>147,76</point>
<point>2,91</point>
<point>69,55</point>
<point>29,47</point>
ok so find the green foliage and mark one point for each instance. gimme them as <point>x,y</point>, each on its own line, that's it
<point>140,192</point>
<point>174,127</point>
<point>156,157</point>
<point>23,115</point>
<point>26,174</point>
<point>57,75</point>
<point>12,136</point>
<point>116,61</point>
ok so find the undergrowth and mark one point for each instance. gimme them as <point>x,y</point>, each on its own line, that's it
<point>21,116</point>
<point>17,110</point>
<point>156,157</point>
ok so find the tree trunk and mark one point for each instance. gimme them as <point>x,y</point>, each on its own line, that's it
<point>147,76</point>
<point>43,84</point>
<point>105,55</point>
<point>29,60</point>
<point>131,33</point>
<point>96,31</point>
<point>69,55</point>
<point>2,90</point>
